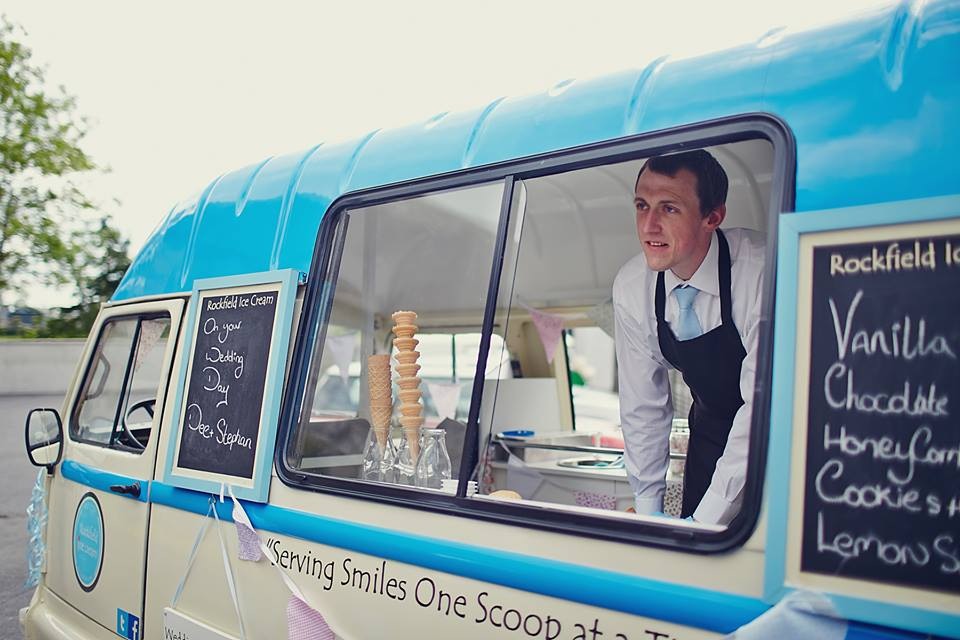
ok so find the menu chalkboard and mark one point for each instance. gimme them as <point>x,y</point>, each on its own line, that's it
<point>225,390</point>
<point>230,382</point>
<point>882,474</point>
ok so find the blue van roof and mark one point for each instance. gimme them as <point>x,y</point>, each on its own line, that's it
<point>872,103</point>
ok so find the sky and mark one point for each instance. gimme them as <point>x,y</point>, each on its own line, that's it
<point>178,92</point>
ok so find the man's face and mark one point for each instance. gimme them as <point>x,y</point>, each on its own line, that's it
<point>673,233</point>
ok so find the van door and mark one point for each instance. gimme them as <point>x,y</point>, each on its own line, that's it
<point>99,506</point>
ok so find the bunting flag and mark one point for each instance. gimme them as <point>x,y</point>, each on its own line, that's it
<point>36,524</point>
<point>305,623</point>
<point>801,615</point>
<point>602,316</point>
<point>341,349</point>
<point>248,541</point>
<point>595,500</point>
<point>522,479</point>
<point>446,397</point>
<point>150,334</point>
<point>550,328</point>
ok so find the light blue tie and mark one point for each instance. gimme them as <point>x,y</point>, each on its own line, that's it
<point>688,325</point>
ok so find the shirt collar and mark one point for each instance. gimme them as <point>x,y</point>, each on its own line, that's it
<point>706,277</point>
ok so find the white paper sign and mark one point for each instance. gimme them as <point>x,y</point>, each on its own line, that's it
<point>177,626</point>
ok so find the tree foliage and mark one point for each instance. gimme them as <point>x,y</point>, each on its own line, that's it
<point>50,232</point>
<point>95,264</point>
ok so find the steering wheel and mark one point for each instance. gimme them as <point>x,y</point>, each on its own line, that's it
<point>148,406</point>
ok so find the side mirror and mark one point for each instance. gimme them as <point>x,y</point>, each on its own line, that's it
<point>44,438</point>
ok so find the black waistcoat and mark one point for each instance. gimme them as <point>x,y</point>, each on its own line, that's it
<point>710,365</point>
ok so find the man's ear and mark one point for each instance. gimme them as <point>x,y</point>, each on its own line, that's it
<point>715,217</point>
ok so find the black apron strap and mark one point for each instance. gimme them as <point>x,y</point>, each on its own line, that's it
<point>723,272</point>
<point>660,298</point>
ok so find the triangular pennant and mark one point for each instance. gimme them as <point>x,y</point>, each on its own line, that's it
<point>595,500</point>
<point>150,333</point>
<point>550,328</point>
<point>446,397</point>
<point>341,349</point>
<point>602,316</point>
<point>523,479</point>
<point>248,541</point>
<point>36,524</point>
<point>801,615</point>
<point>305,623</point>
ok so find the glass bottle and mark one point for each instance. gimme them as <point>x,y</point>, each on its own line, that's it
<point>404,468</point>
<point>433,466</point>
<point>388,460</point>
<point>372,458</point>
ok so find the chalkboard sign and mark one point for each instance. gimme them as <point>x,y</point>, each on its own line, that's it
<point>863,471</point>
<point>230,385</point>
<point>882,477</point>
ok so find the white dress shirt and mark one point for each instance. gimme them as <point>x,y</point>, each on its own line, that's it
<point>646,407</point>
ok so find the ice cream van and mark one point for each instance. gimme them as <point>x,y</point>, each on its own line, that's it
<point>390,387</point>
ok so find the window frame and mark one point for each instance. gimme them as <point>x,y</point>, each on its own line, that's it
<point>319,298</point>
<point>90,369</point>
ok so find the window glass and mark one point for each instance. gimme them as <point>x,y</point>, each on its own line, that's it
<point>97,412</point>
<point>431,255</point>
<point>592,364</point>
<point>117,403</point>
<point>552,433</point>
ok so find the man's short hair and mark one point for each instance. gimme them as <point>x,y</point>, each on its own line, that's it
<point>711,178</point>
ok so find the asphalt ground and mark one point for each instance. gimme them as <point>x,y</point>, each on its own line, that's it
<point>17,476</point>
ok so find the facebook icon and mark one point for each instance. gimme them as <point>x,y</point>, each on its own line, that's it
<point>128,625</point>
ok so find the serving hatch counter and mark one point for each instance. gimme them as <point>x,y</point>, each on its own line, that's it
<point>569,468</point>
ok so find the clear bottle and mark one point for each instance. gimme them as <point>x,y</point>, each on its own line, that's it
<point>433,466</point>
<point>372,458</point>
<point>388,460</point>
<point>405,465</point>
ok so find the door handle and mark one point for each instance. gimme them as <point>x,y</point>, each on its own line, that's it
<point>128,489</point>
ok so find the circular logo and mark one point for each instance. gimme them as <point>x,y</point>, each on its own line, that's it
<point>88,542</point>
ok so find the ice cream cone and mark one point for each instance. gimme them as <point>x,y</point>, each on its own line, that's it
<point>405,344</point>
<point>381,402</point>
<point>407,370</point>
<point>380,387</point>
<point>379,361</point>
<point>409,396</point>
<point>407,357</point>
<point>411,422</point>
<point>378,380</point>
<point>382,435</point>
<point>411,431</point>
<point>379,372</point>
<point>411,382</point>
<point>405,330</point>
<point>411,410</point>
<point>404,317</point>
<point>380,416</point>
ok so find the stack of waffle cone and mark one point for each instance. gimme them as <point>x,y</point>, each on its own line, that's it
<point>381,395</point>
<point>411,411</point>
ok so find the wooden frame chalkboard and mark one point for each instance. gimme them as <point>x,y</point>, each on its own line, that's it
<point>863,474</point>
<point>230,381</point>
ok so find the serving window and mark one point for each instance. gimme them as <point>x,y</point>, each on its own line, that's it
<point>511,283</point>
<point>562,445</point>
<point>431,254</point>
